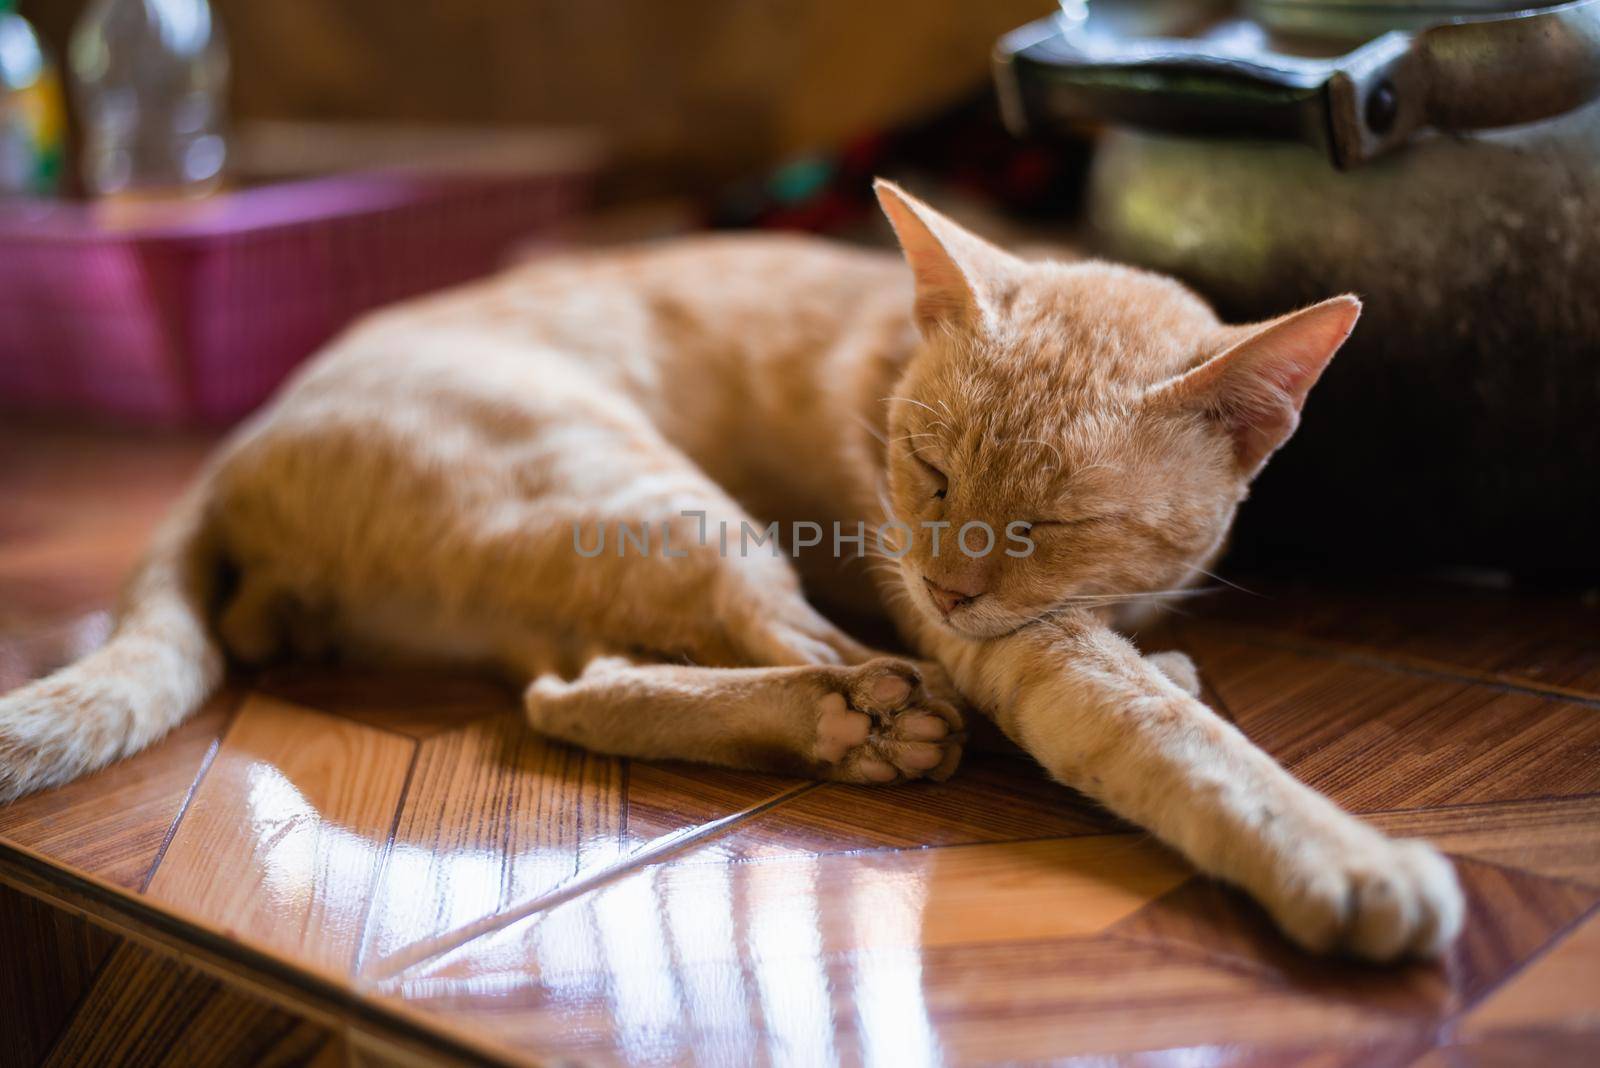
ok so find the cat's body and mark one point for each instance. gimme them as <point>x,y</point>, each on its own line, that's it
<point>436,482</point>
<point>644,357</point>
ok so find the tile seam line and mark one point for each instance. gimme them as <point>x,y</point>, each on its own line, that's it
<point>413,956</point>
<point>1249,969</point>
<point>1446,1021</point>
<point>193,791</point>
<point>380,880</point>
<point>1556,940</point>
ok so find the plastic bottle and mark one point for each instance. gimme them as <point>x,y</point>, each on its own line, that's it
<point>150,78</point>
<point>32,126</point>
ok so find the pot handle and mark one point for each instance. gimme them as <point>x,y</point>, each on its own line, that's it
<point>1468,74</point>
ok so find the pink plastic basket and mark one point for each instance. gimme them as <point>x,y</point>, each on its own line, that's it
<point>198,321</point>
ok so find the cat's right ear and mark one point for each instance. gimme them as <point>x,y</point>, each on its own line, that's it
<point>959,275</point>
<point>1257,385</point>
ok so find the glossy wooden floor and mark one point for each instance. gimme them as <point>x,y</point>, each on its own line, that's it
<point>395,851</point>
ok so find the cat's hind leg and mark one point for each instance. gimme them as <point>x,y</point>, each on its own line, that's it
<point>681,593</point>
<point>869,723</point>
<point>252,625</point>
<point>264,619</point>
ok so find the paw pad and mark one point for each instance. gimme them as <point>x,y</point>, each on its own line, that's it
<point>880,726</point>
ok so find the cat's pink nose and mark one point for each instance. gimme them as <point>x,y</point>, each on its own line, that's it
<point>949,600</point>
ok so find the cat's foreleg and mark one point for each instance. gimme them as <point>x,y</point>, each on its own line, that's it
<point>1178,669</point>
<point>871,723</point>
<point>1103,719</point>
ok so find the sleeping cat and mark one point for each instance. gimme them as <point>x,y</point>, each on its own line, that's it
<point>439,482</point>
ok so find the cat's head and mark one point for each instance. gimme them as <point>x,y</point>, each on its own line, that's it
<point>1106,408</point>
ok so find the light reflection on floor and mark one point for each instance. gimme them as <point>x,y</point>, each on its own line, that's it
<point>760,961</point>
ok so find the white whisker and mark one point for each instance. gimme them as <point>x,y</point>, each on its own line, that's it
<point>1109,600</point>
<point>910,400</point>
<point>1047,444</point>
<point>1219,578</point>
<point>869,428</point>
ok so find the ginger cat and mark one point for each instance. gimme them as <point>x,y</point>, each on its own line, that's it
<point>436,482</point>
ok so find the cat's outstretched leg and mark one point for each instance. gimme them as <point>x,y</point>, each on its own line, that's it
<point>872,723</point>
<point>1105,720</point>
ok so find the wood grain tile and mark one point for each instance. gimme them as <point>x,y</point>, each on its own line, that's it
<point>1555,992</point>
<point>1545,1047</point>
<point>1535,639</point>
<point>1512,917</point>
<point>496,819</point>
<point>413,701</point>
<point>494,816</point>
<point>1381,739</point>
<point>1100,996</point>
<point>146,1009</point>
<point>1559,838</point>
<point>664,798</point>
<point>992,798</point>
<point>763,988</point>
<point>112,824</point>
<point>48,961</point>
<point>1392,1051</point>
<point>281,844</point>
<point>700,945</point>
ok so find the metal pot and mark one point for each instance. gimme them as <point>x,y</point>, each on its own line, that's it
<point>1449,172</point>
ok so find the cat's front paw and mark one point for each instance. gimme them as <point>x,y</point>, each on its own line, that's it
<point>878,724</point>
<point>1377,898</point>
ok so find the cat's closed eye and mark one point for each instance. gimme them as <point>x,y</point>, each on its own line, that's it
<point>1058,524</point>
<point>940,480</point>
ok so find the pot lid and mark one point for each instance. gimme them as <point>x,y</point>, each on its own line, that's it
<point>1212,75</point>
<point>1360,20</point>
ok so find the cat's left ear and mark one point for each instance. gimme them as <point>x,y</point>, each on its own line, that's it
<point>960,277</point>
<point>1257,386</point>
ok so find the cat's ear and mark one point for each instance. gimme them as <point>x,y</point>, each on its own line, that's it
<point>1257,385</point>
<point>959,275</point>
